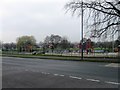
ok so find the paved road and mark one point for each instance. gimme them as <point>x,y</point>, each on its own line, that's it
<point>40,73</point>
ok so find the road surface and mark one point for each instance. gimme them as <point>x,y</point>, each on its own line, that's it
<point>43,73</point>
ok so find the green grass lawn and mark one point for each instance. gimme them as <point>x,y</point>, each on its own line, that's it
<point>60,57</point>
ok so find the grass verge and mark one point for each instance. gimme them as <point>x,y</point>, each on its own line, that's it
<point>67,58</point>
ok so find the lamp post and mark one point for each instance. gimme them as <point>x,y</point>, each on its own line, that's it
<point>82,30</point>
<point>118,39</point>
<point>113,43</point>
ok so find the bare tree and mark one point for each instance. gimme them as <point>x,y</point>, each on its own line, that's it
<point>53,39</point>
<point>104,15</point>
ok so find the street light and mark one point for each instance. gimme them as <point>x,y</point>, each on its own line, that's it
<point>82,30</point>
<point>113,43</point>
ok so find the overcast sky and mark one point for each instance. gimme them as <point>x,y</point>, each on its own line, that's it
<point>38,18</point>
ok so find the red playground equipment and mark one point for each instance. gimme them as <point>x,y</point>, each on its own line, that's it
<point>89,47</point>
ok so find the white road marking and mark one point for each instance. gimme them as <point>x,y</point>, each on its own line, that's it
<point>112,82</point>
<point>47,73</point>
<point>44,73</point>
<point>75,77</point>
<point>62,75</point>
<point>56,74</point>
<point>93,80</point>
<point>112,65</point>
<point>20,58</point>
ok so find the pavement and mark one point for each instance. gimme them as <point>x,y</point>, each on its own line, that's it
<point>40,73</point>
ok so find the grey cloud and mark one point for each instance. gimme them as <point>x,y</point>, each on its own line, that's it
<point>39,19</point>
